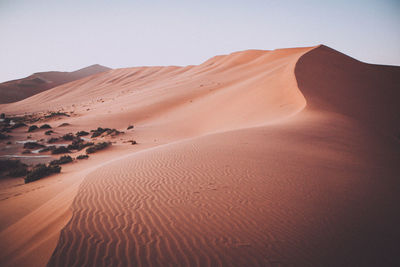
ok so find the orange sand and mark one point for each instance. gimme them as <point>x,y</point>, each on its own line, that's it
<point>257,158</point>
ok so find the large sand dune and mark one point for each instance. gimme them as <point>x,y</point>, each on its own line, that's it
<point>257,158</point>
<point>16,90</point>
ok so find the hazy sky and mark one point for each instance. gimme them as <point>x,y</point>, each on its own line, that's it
<point>42,35</point>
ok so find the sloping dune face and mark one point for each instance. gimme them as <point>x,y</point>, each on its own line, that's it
<point>263,165</point>
<point>242,89</point>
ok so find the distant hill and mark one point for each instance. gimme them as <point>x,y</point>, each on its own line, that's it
<point>15,90</point>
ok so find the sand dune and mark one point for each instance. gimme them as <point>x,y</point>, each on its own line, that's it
<point>16,90</point>
<point>257,158</point>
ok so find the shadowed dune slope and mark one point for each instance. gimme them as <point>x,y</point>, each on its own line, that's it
<point>332,81</point>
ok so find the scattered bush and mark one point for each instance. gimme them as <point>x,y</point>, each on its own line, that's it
<point>33,145</point>
<point>52,140</point>
<point>82,157</point>
<point>133,142</point>
<point>4,136</point>
<point>49,132</point>
<point>79,144</point>
<point>18,125</point>
<point>9,143</point>
<point>40,171</point>
<point>32,128</point>
<point>26,151</point>
<point>68,137</point>
<point>2,116</point>
<point>62,160</point>
<point>54,114</point>
<point>97,147</point>
<point>19,171</point>
<point>99,131</point>
<point>60,150</point>
<point>130,127</point>
<point>64,124</point>
<point>82,133</point>
<point>48,148</point>
<point>12,166</point>
<point>45,126</point>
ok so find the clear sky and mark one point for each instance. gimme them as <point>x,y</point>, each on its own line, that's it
<point>42,35</point>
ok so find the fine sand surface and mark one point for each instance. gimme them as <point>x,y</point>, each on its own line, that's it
<point>257,158</point>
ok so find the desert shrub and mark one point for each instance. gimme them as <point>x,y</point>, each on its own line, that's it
<point>62,160</point>
<point>99,131</point>
<point>63,124</point>
<point>54,114</point>
<point>82,133</point>
<point>60,150</point>
<point>82,157</point>
<point>2,115</point>
<point>18,125</point>
<point>19,171</point>
<point>10,164</point>
<point>9,143</point>
<point>79,144</point>
<point>133,142</point>
<point>97,147</point>
<point>4,136</point>
<point>49,132</point>
<point>40,171</point>
<point>130,127</point>
<point>68,137</point>
<point>45,126</point>
<point>26,151</point>
<point>48,148</point>
<point>32,128</point>
<point>33,145</point>
<point>52,140</point>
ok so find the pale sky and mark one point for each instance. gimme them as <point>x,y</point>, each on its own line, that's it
<point>43,35</point>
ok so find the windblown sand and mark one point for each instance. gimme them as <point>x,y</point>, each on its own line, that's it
<point>257,158</point>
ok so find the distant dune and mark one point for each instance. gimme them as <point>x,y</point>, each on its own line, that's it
<point>16,90</point>
<point>287,157</point>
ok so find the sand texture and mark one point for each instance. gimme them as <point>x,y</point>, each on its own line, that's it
<point>258,158</point>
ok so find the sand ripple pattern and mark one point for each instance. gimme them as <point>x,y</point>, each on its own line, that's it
<point>211,203</point>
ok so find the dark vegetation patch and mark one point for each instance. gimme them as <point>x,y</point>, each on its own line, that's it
<point>64,124</point>
<point>18,125</point>
<point>82,157</point>
<point>62,160</point>
<point>4,136</point>
<point>32,128</point>
<point>97,147</point>
<point>52,140</point>
<point>40,171</point>
<point>26,151</point>
<point>130,127</point>
<point>45,126</point>
<point>60,150</point>
<point>79,144</point>
<point>33,145</point>
<point>49,132</point>
<point>13,168</point>
<point>56,114</point>
<point>82,133</point>
<point>99,131</point>
<point>47,148</point>
<point>68,137</point>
